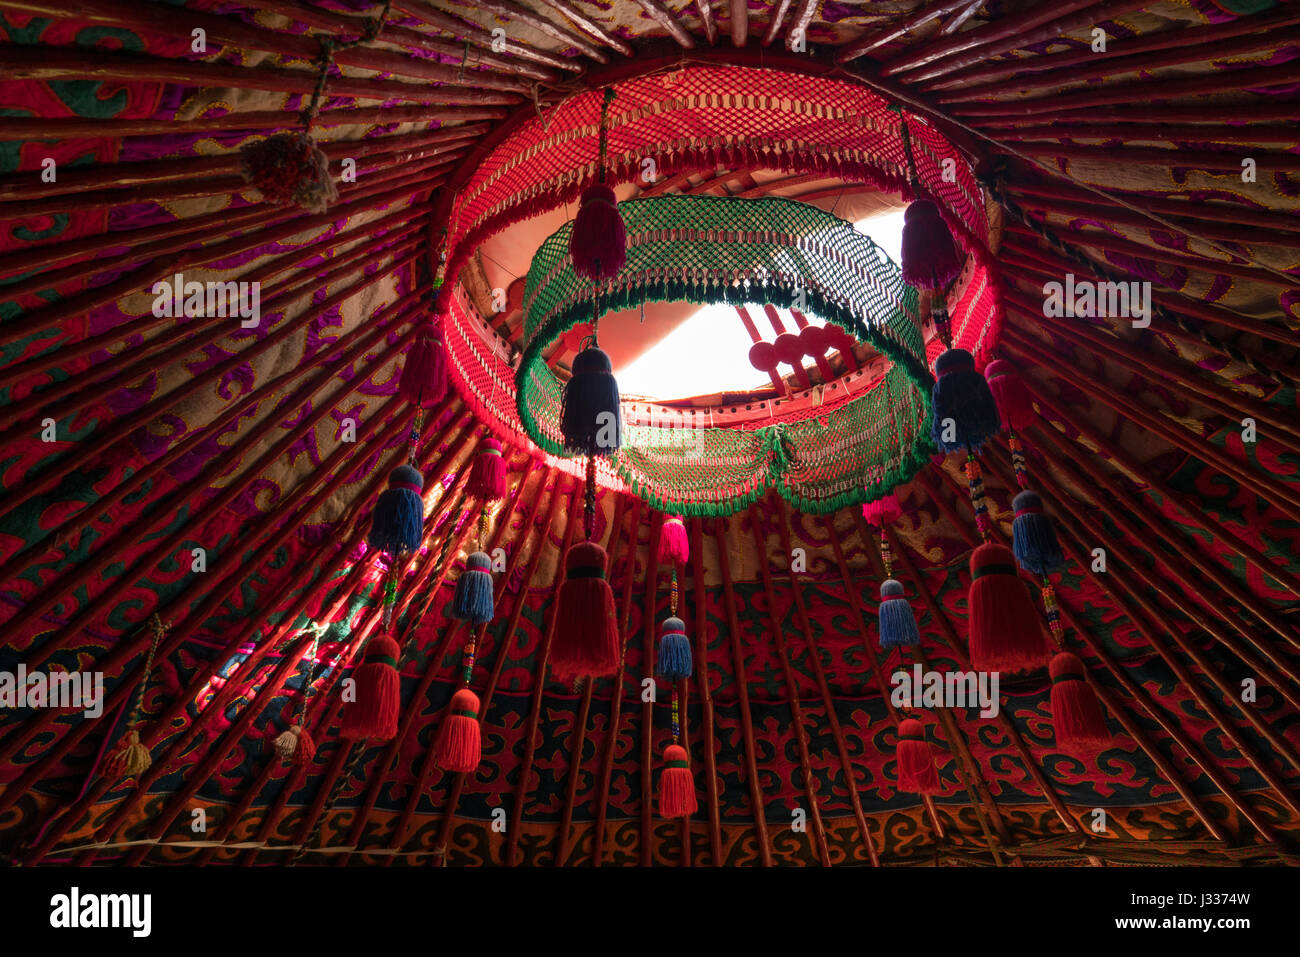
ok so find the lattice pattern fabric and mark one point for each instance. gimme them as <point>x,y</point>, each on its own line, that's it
<point>708,249</point>
<point>773,119</point>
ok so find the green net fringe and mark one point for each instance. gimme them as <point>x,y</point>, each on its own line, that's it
<point>770,251</point>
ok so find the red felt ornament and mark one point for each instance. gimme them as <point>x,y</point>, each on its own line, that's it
<point>1006,632</point>
<point>1015,407</point>
<point>1076,714</point>
<point>424,372</point>
<point>487,474</point>
<point>586,638</point>
<point>458,747</point>
<point>676,785</point>
<point>915,758</point>
<point>375,711</point>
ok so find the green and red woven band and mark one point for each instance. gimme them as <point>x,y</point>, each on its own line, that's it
<point>380,659</point>
<point>409,486</point>
<point>465,714</point>
<point>684,765</point>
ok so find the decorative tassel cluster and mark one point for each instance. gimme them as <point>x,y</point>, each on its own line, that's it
<point>676,785</point>
<point>674,651</point>
<point>897,620</point>
<point>1006,633</point>
<point>288,168</point>
<point>965,414</point>
<point>1076,714</point>
<point>295,746</point>
<point>598,240</point>
<point>487,473</point>
<point>931,259</point>
<point>586,638</point>
<point>458,747</point>
<point>590,418</point>
<point>915,758</point>
<point>1033,539</point>
<point>397,524</point>
<point>130,760</point>
<point>1014,404</point>
<point>375,711</point>
<point>424,372</point>
<point>472,600</point>
<point>674,547</point>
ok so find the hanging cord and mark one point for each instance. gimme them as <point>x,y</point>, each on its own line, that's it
<point>975,485</point>
<point>607,99</point>
<point>328,46</point>
<point>159,628</point>
<point>1194,329</point>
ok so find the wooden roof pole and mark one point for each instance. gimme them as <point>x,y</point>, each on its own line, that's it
<point>814,658</point>
<point>820,846</point>
<point>610,744</point>
<point>756,799</point>
<point>510,857</point>
<point>699,597</point>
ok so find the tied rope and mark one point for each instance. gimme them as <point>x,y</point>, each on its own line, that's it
<point>325,60</point>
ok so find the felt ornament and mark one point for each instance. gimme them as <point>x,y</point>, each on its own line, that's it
<point>964,413</point>
<point>1033,539</point>
<point>883,510</point>
<point>458,746</point>
<point>915,760</point>
<point>289,169</point>
<point>397,523</point>
<point>676,785</point>
<point>1015,408</point>
<point>487,473</point>
<point>674,547</point>
<point>295,745</point>
<point>931,259</point>
<point>424,372</point>
<point>375,711</point>
<point>598,240</point>
<point>590,418</point>
<point>897,620</point>
<point>1077,718</point>
<point>132,758</point>
<point>1006,633</point>
<point>586,640</point>
<point>472,599</point>
<point>674,651</point>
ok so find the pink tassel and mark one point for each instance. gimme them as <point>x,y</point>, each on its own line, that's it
<point>883,510</point>
<point>916,771</point>
<point>676,786</point>
<point>674,546</point>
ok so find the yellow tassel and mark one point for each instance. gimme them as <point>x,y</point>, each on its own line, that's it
<point>131,760</point>
<point>287,743</point>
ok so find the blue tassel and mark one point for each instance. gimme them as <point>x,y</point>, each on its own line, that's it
<point>397,522</point>
<point>590,418</point>
<point>961,394</point>
<point>897,620</point>
<point>674,650</point>
<point>1033,539</point>
<point>472,600</point>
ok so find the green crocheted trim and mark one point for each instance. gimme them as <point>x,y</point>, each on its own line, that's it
<point>711,250</point>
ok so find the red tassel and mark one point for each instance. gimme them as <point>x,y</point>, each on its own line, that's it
<point>676,785</point>
<point>424,373</point>
<point>586,638</point>
<point>916,771</point>
<point>931,259</point>
<point>374,713</point>
<point>487,474</point>
<point>674,546</point>
<point>1006,632</point>
<point>1015,407</point>
<point>1076,714</point>
<point>458,747</point>
<point>598,240</point>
